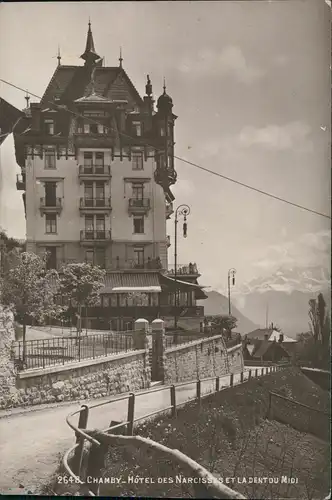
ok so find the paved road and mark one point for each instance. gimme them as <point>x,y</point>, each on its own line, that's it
<point>33,442</point>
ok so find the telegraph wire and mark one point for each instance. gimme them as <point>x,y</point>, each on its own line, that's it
<point>204,169</point>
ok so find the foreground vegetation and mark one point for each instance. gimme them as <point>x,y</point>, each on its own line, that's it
<point>230,436</point>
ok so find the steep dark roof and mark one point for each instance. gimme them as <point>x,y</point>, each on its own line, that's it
<point>72,82</point>
<point>262,347</point>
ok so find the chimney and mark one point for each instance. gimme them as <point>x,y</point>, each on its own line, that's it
<point>281,338</point>
<point>266,337</point>
<point>35,115</point>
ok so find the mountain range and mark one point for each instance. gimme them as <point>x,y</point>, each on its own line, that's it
<point>216,304</point>
<point>283,296</point>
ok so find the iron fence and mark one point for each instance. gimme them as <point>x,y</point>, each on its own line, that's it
<point>60,350</point>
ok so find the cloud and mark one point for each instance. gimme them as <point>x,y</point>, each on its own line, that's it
<point>229,62</point>
<point>310,250</point>
<point>292,136</point>
<point>275,137</point>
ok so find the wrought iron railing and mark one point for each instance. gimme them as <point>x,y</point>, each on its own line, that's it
<point>186,269</point>
<point>50,202</point>
<point>95,202</point>
<point>61,350</point>
<point>94,170</point>
<point>139,203</point>
<point>95,235</point>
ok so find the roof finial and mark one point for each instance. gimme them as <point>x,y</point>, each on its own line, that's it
<point>90,55</point>
<point>148,86</point>
<point>27,98</point>
<point>164,87</point>
<point>59,56</point>
<point>89,24</point>
<point>120,58</point>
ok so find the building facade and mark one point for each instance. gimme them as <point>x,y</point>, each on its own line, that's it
<point>97,166</point>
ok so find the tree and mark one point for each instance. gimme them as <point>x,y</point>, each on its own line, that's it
<point>320,330</point>
<point>29,290</point>
<point>80,284</point>
<point>224,323</point>
<point>9,248</point>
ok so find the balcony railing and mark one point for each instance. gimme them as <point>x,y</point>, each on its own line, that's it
<point>146,265</point>
<point>98,203</point>
<point>51,205</point>
<point>20,182</point>
<point>183,269</point>
<point>94,170</point>
<point>95,235</point>
<point>139,204</point>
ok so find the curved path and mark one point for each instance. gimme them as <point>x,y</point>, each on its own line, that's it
<point>33,441</point>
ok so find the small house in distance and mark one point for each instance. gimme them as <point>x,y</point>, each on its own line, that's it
<point>267,345</point>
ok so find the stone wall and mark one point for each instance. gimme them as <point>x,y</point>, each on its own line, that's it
<point>201,359</point>
<point>82,380</point>
<point>7,370</point>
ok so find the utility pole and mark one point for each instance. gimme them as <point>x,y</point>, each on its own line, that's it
<point>181,211</point>
<point>231,274</point>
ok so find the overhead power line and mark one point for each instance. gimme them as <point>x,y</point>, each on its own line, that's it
<point>204,169</point>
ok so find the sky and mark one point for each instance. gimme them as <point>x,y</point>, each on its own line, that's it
<point>250,83</point>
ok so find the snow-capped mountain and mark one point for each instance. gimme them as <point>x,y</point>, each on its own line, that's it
<point>283,297</point>
<point>313,279</point>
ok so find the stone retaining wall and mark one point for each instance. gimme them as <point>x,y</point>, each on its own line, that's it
<point>201,359</point>
<point>82,380</point>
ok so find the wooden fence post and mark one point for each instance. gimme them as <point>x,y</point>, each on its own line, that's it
<point>82,424</point>
<point>241,377</point>
<point>131,414</point>
<point>231,382</point>
<point>256,372</point>
<point>198,395</point>
<point>217,384</point>
<point>249,376</point>
<point>173,400</point>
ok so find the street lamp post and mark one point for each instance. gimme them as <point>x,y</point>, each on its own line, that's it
<point>181,211</point>
<point>231,274</point>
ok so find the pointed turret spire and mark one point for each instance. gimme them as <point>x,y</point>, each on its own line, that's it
<point>120,58</point>
<point>164,86</point>
<point>90,55</point>
<point>148,86</point>
<point>59,57</point>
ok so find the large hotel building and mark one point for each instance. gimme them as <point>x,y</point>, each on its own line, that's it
<point>97,165</point>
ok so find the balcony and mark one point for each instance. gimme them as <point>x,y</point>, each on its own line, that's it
<point>94,172</point>
<point>183,270</point>
<point>139,205</point>
<point>169,210</point>
<point>95,236</point>
<point>95,205</point>
<point>127,265</point>
<point>20,182</point>
<point>50,206</point>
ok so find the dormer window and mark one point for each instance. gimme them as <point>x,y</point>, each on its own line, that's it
<point>49,127</point>
<point>137,127</point>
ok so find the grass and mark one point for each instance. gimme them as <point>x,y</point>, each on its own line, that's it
<point>230,436</point>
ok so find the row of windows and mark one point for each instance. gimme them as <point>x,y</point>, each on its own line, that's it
<point>93,223</point>
<point>85,127</point>
<point>95,256</point>
<point>91,190</point>
<point>92,159</point>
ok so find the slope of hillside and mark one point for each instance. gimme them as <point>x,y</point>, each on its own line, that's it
<point>216,303</point>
